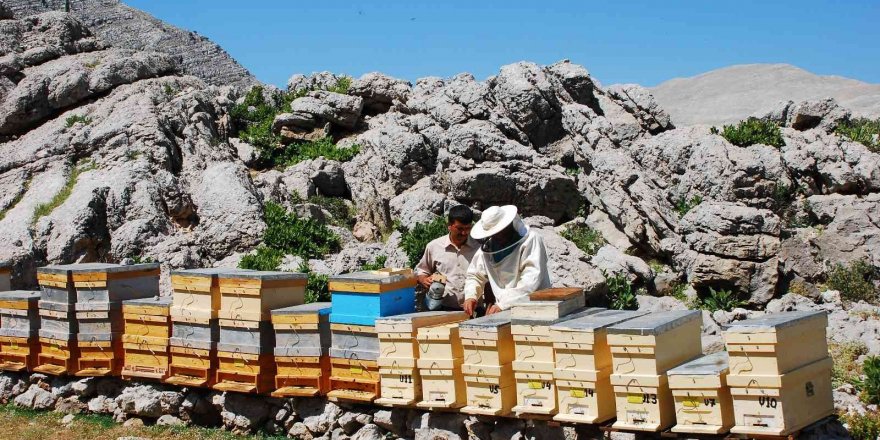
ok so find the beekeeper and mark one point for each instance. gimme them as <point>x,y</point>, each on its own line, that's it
<point>512,260</point>
<point>443,267</point>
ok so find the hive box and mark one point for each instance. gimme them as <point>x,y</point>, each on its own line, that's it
<point>487,346</point>
<point>193,349</point>
<point>550,304</point>
<point>245,356</point>
<point>439,363</point>
<point>642,350</point>
<point>196,293</point>
<point>100,284</point>
<point>582,372</point>
<point>57,335</point>
<point>302,341</point>
<point>353,341</point>
<point>360,298</point>
<point>702,398</point>
<point>780,405</point>
<point>19,323</point>
<point>399,349</point>
<point>5,276</point>
<point>354,380</point>
<point>654,343</point>
<point>56,288</point>
<point>145,338</point>
<point>252,295</point>
<point>777,343</point>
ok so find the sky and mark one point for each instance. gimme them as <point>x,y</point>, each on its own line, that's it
<point>623,41</point>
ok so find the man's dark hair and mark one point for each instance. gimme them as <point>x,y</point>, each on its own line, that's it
<point>461,213</point>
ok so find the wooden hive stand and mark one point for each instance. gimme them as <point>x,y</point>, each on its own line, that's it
<point>19,326</point>
<point>399,350</point>
<point>780,373</point>
<point>302,341</point>
<point>702,399</point>
<point>643,349</point>
<point>145,338</point>
<point>533,364</point>
<point>582,370</point>
<point>359,298</point>
<point>487,347</point>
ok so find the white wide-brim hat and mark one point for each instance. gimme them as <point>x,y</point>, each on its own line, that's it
<point>493,221</point>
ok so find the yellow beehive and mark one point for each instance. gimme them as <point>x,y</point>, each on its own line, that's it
<point>439,363</point>
<point>245,372</point>
<point>252,295</point>
<point>145,338</point>
<point>702,398</point>
<point>487,346</point>
<point>196,294</point>
<point>782,404</point>
<point>192,367</point>
<point>302,376</point>
<point>582,370</point>
<point>302,340</point>
<point>19,324</point>
<point>5,276</point>
<point>399,349</point>
<point>652,344</point>
<point>644,403</point>
<point>99,358</point>
<point>756,345</point>
<point>56,357</point>
<point>354,380</point>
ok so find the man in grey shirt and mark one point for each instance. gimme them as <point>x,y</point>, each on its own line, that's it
<point>443,268</point>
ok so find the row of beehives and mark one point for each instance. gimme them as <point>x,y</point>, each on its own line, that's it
<point>244,331</point>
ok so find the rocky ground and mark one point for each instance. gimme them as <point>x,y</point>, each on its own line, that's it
<point>110,153</point>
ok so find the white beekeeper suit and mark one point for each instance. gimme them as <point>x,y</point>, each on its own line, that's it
<point>514,272</point>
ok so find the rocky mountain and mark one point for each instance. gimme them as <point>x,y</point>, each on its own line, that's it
<point>733,93</point>
<point>125,27</point>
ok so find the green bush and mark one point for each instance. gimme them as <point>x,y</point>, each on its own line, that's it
<point>870,385</point>
<point>413,241</point>
<point>377,264</point>
<point>683,205</point>
<point>621,295</point>
<point>45,209</point>
<point>317,289</point>
<point>584,237</point>
<point>862,130</point>
<point>722,299</point>
<point>292,235</point>
<point>855,282</point>
<point>846,369</point>
<point>336,206</point>
<point>265,258</point>
<point>752,131</point>
<point>297,152</point>
<point>863,426</point>
<point>71,120</point>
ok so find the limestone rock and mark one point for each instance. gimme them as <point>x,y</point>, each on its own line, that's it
<point>613,262</point>
<point>243,413</point>
<point>169,420</point>
<point>380,91</point>
<point>318,107</point>
<point>36,398</point>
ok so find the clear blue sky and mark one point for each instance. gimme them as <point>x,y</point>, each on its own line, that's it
<point>642,41</point>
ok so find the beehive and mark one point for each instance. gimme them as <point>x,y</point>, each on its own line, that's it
<point>19,324</point>
<point>57,335</point>
<point>359,298</point>
<point>702,398</point>
<point>651,344</point>
<point>782,404</point>
<point>245,356</point>
<point>642,350</point>
<point>439,364</point>
<point>399,349</point>
<point>354,350</point>
<point>550,304</point>
<point>5,276</point>
<point>302,341</point>
<point>582,370</point>
<point>196,293</point>
<point>193,350</point>
<point>534,362</point>
<point>252,295</point>
<point>756,345</point>
<point>487,346</point>
<point>145,338</point>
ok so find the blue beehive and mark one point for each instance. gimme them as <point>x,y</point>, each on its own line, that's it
<point>359,298</point>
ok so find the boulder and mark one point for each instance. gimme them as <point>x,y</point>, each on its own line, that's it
<point>36,398</point>
<point>380,91</point>
<point>318,107</point>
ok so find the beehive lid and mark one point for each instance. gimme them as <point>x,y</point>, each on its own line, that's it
<point>208,272</point>
<point>713,364</point>
<point>155,301</point>
<point>98,267</point>
<point>264,275</point>
<point>19,295</point>
<point>488,322</point>
<point>773,322</point>
<point>656,323</point>
<point>373,277</point>
<point>410,317</point>
<point>556,294</point>
<point>320,308</point>
<point>581,313</point>
<point>593,322</point>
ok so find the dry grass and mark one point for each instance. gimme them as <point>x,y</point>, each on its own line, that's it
<point>27,424</point>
